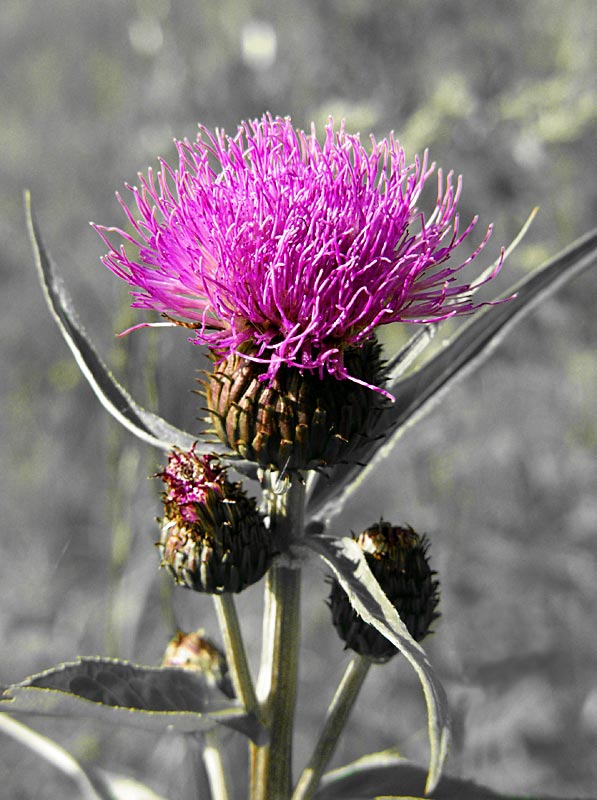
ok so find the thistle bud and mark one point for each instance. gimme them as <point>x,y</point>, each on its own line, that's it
<point>297,419</point>
<point>196,653</point>
<point>398,559</point>
<point>213,537</point>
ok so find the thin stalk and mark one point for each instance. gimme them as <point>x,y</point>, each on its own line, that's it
<point>216,771</point>
<point>338,713</point>
<point>271,764</point>
<point>235,653</point>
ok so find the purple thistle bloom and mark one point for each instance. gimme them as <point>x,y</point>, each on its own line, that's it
<point>286,250</point>
<point>192,481</point>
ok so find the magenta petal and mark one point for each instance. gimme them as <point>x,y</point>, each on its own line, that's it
<point>298,247</point>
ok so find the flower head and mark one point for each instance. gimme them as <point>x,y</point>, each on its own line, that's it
<point>213,538</point>
<point>193,483</point>
<point>196,653</point>
<point>398,558</point>
<point>287,251</point>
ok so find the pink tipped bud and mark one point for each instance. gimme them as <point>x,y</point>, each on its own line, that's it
<point>213,537</point>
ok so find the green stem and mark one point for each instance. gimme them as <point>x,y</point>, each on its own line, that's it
<point>271,764</point>
<point>235,653</point>
<point>337,715</point>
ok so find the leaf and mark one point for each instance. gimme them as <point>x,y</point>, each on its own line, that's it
<point>147,426</point>
<point>89,785</point>
<point>121,787</point>
<point>92,783</point>
<point>407,355</point>
<point>349,565</point>
<point>382,775</point>
<point>154,698</point>
<point>468,348</point>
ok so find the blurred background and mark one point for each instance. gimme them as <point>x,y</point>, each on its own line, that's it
<point>502,475</point>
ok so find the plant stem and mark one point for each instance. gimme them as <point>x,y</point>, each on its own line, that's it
<point>272,779</point>
<point>235,653</point>
<point>216,772</point>
<point>338,713</point>
<point>271,764</point>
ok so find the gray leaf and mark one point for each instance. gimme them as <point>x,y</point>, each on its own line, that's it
<point>468,348</point>
<point>349,565</point>
<point>155,698</point>
<point>387,775</point>
<point>147,426</point>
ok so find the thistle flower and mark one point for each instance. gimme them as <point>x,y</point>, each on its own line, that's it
<point>296,421</point>
<point>213,538</point>
<point>398,559</point>
<point>288,252</point>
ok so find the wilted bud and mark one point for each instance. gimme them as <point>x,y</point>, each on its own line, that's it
<point>298,419</point>
<point>398,559</point>
<point>213,538</point>
<point>196,653</point>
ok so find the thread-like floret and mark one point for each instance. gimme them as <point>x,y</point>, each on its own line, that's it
<point>288,251</point>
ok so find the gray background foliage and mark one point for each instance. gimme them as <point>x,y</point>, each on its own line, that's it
<point>502,475</point>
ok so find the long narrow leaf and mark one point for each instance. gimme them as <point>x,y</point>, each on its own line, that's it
<point>89,786</point>
<point>349,565</point>
<point>154,698</point>
<point>147,426</point>
<point>468,348</point>
<point>386,776</point>
<point>398,364</point>
<point>121,787</point>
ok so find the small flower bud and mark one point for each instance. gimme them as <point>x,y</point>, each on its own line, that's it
<point>397,557</point>
<point>196,653</point>
<point>297,419</point>
<point>213,538</point>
